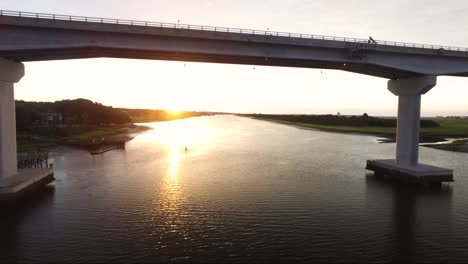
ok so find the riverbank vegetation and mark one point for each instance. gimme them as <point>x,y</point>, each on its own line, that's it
<point>81,122</point>
<point>30,145</point>
<point>432,129</point>
<point>66,114</point>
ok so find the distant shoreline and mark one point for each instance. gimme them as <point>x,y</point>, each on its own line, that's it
<point>389,137</point>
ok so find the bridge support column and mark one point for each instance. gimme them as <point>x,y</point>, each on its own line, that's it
<point>10,73</point>
<point>406,165</point>
<point>14,184</point>
<point>409,93</point>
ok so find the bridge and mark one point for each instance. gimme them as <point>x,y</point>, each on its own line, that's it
<point>411,68</point>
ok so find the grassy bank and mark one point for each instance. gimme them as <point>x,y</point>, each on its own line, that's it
<point>78,132</point>
<point>24,145</point>
<point>449,128</point>
<point>98,131</point>
<point>48,137</point>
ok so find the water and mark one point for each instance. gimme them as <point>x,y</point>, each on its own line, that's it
<point>245,191</point>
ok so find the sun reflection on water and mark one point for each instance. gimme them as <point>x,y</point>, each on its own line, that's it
<point>182,135</point>
<point>180,140</point>
<point>174,159</point>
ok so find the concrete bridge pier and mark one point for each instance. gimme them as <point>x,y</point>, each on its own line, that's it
<point>13,183</point>
<point>409,93</point>
<point>406,165</point>
<point>10,73</point>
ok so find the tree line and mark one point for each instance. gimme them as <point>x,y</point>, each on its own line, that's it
<point>341,120</point>
<point>83,112</point>
<point>66,112</point>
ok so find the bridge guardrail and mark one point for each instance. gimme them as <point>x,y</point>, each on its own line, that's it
<point>221,29</point>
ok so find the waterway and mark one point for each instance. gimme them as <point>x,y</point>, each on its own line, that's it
<point>244,191</point>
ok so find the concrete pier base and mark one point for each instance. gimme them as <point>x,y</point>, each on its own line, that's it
<point>24,183</point>
<point>421,173</point>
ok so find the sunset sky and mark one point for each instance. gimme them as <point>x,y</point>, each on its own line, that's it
<point>234,88</point>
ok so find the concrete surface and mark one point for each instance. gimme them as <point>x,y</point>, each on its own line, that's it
<point>409,92</point>
<point>10,73</point>
<point>24,183</point>
<point>39,39</point>
<point>421,173</point>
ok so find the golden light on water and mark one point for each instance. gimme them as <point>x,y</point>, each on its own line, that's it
<point>176,135</point>
<point>172,198</point>
<point>179,139</point>
<point>174,159</point>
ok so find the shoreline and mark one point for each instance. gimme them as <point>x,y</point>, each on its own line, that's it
<point>453,145</point>
<point>83,140</point>
<point>426,140</point>
<point>386,137</point>
<point>95,143</point>
<point>449,147</point>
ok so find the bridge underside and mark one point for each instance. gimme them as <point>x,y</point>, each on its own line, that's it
<point>33,39</point>
<point>97,52</point>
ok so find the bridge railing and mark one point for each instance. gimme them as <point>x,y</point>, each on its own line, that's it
<point>221,29</point>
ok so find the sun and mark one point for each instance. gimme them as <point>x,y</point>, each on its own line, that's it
<point>174,112</point>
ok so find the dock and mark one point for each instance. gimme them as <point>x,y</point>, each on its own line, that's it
<point>106,148</point>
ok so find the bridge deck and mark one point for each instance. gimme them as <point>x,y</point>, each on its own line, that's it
<point>36,37</point>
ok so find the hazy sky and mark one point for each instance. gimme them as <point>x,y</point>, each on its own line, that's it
<point>234,88</point>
